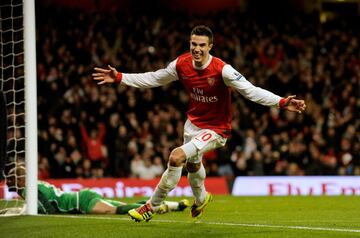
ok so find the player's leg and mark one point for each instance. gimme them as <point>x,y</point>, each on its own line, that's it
<point>170,177</point>
<point>196,171</point>
<point>168,182</point>
<point>202,141</point>
<point>196,178</point>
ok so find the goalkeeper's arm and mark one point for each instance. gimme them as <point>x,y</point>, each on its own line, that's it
<point>45,206</point>
<point>13,210</point>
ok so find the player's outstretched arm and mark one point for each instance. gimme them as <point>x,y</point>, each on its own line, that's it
<point>103,76</point>
<point>292,104</point>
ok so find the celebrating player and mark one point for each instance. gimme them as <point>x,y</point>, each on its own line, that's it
<point>208,81</point>
<point>52,200</point>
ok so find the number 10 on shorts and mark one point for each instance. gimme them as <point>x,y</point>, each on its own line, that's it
<point>202,139</point>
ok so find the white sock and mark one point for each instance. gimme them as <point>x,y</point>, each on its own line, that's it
<point>173,206</point>
<point>168,182</point>
<point>196,181</point>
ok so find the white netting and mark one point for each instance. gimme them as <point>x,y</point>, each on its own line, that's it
<point>12,85</point>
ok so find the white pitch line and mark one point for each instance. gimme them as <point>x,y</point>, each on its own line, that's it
<point>218,223</point>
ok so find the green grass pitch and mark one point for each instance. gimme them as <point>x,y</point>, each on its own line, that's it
<point>226,216</point>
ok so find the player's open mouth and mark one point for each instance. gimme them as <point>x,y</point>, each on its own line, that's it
<point>196,56</point>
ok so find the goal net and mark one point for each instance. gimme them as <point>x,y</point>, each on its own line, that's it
<point>13,108</point>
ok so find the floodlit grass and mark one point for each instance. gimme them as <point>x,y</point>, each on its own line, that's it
<point>226,217</point>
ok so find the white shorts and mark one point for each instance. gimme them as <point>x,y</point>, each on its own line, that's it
<point>197,141</point>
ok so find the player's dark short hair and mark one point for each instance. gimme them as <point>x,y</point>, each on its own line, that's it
<point>202,30</point>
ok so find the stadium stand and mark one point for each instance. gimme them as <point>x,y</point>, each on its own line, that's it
<point>315,61</point>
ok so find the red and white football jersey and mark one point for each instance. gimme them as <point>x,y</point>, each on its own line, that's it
<point>208,87</point>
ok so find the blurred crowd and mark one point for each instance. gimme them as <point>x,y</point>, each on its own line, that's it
<point>87,130</point>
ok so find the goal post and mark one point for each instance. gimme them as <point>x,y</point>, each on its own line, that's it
<point>18,89</point>
<point>31,147</point>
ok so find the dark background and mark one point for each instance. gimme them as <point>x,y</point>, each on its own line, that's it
<point>307,48</point>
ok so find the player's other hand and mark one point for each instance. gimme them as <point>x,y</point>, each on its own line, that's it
<point>105,75</point>
<point>292,104</point>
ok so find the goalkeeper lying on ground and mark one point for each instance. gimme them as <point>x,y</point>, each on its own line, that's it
<point>52,200</point>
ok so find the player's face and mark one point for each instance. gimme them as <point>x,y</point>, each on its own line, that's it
<point>199,49</point>
<point>16,182</point>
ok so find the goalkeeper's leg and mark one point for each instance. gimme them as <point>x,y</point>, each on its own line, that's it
<point>170,206</point>
<point>121,207</point>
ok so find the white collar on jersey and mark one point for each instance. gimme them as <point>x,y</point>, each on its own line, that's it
<point>205,65</point>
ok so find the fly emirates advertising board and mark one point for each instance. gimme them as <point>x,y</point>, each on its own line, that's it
<point>243,186</point>
<point>129,187</point>
<point>297,185</point>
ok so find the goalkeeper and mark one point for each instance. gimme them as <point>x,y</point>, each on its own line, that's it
<point>52,200</point>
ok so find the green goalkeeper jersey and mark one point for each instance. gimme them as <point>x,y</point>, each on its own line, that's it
<point>52,200</point>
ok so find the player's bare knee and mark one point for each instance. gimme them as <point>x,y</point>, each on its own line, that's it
<point>192,167</point>
<point>177,157</point>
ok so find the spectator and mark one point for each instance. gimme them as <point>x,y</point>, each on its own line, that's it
<point>313,60</point>
<point>94,148</point>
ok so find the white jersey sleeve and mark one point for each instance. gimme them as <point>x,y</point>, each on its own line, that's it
<point>151,79</point>
<point>234,79</point>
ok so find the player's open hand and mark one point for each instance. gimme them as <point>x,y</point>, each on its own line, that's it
<point>105,75</point>
<point>294,105</point>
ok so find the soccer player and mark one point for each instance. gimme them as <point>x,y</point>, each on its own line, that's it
<point>52,200</point>
<point>208,81</point>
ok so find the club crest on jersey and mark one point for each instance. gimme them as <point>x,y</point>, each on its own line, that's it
<point>211,81</point>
